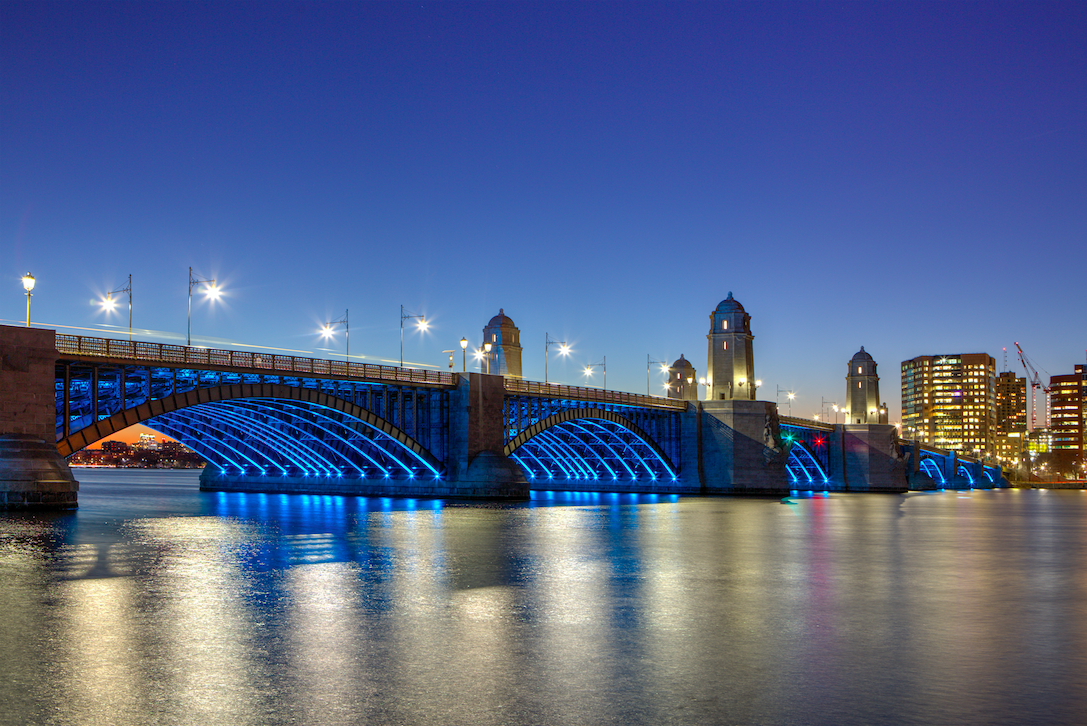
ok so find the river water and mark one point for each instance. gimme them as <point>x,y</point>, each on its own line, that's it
<point>155,603</point>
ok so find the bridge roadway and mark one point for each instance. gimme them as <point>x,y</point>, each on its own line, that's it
<point>288,423</point>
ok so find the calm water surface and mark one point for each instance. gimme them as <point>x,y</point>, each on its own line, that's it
<point>158,604</point>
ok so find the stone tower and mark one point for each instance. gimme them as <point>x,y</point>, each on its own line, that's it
<point>862,391</point>
<point>730,365</point>
<point>505,340</point>
<point>683,380</point>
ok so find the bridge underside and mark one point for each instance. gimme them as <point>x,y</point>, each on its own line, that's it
<point>291,438</point>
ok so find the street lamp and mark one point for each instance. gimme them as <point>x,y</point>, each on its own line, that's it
<point>649,362</point>
<point>564,349</point>
<point>487,351</point>
<point>327,332</point>
<point>602,364</point>
<point>422,325</point>
<point>109,304</point>
<point>28,285</point>
<point>463,355</point>
<point>789,394</point>
<point>211,291</point>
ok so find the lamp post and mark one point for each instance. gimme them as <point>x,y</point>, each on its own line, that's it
<point>327,332</point>
<point>28,285</point>
<point>702,381</point>
<point>463,355</point>
<point>789,394</point>
<point>564,349</point>
<point>211,291</point>
<point>108,303</point>
<point>648,365</point>
<point>422,324</point>
<point>602,364</point>
<point>487,355</point>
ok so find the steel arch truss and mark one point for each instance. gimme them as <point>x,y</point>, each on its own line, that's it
<point>589,444</point>
<point>816,454</point>
<point>804,467</point>
<point>931,467</point>
<point>277,430</point>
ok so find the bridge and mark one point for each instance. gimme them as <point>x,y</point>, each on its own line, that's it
<point>277,423</point>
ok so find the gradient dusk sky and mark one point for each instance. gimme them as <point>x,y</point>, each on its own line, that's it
<point>910,177</point>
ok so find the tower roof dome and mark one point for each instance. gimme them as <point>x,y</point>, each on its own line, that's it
<point>682,363</point>
<point>861,355</point>
<point>729,305</point>
<point>500,320</point>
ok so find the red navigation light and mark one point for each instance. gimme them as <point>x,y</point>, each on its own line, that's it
<point>819,441</point>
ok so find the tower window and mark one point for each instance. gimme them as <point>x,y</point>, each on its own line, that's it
<point>858,384</point>
<point>724,345</point>
<point>724,325</point>
<point>858,370</point>
<point>494,337</point>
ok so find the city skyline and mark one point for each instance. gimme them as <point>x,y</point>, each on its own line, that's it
<point>605,174</point>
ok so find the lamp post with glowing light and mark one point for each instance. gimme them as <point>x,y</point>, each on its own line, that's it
<point>28,285</point>
<point>603,364</point>
<point>327,332</point>
<point>790,395</point>
<point>463,355</point>
<point>211,291</point>
<point>422,325</point>
<point>649,363</point>
<point>109,304</point>
<point>564,349</point>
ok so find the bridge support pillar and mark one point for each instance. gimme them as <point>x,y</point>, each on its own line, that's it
<point>746,455</point>
<point>871,461</point>
<point>479,468</point>
<point>32,474</point>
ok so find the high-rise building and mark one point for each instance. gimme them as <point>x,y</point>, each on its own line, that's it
<point>730,364</point>
<point>1011,416</point>
<point>1066,409</point>
<point>505,340</point>
<point>950,401</point>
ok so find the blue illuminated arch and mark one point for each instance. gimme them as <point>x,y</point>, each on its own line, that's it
<point>803,466</point>
<point>274,428</point>
<point>931,468</point>
<point>589,443</point>
<point>964,471</point>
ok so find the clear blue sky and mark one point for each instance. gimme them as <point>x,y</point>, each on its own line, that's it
<point>911,177</point>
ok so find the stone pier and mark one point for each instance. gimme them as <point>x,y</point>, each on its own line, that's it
<point>32,474</point>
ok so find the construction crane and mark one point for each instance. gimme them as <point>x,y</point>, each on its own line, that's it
<point>1032,375</point>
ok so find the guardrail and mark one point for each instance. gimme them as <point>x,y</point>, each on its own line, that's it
<point>182,355</point>
<point>554,390</point>
<point>806,423</point>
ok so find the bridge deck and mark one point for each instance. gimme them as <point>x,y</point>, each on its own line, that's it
<point>81,347</point>
<point>594,395</point>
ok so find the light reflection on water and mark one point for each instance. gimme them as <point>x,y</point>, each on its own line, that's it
<point>155,603</point>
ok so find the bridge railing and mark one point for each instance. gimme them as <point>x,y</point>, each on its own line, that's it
<point>554,390</point>
<point>805,423</point>
<point>182,355</point>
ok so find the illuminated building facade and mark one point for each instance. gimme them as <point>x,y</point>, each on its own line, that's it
<point>862,391</point>
<point>682,381</point>
<point>1066,409</point>
<point>950,401</point>
<point>505,340</point>
<point>1011,416</point>
<point>730,364</point>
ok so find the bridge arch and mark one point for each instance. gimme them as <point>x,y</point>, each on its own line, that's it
<point>274,429</point>
<point>930,466</point>
<point>589,444</point>
<point>803,465</point>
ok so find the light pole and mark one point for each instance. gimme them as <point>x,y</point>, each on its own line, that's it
<point>327,332</point>
<point>28,285</point>
<point>108,303</point>
<point>648,365</point>
<point>463,355</point>
<point>212,292</point>
<point>602,364</point>
<point>564,349</point>
<point>450,352</point>
<point>408,316</point>
<point>487,352</point>
<point>702,382</point>
<point>789,394</point>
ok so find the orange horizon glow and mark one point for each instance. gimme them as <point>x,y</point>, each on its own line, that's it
<point>130,436</point>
